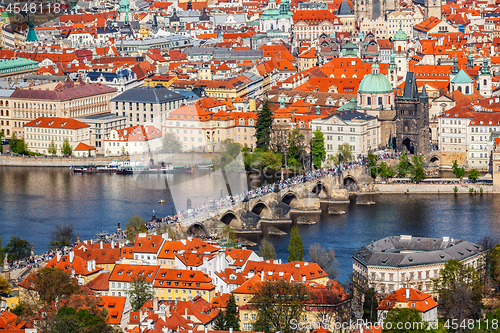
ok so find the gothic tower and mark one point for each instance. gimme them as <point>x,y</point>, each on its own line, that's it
<point>432,8</point>
<point>412,118</point>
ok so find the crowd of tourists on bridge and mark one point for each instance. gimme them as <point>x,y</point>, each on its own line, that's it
<point>213,208</point>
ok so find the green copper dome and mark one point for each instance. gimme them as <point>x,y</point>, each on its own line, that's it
<point>400,35</point>
<point>375,83</point>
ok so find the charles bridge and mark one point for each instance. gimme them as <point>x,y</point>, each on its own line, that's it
<point>247,216</point>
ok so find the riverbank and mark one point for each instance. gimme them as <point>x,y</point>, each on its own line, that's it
<point>434,188</point>
<point>43,161</point>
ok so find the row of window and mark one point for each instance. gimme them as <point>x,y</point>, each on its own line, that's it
<point>404,277</point>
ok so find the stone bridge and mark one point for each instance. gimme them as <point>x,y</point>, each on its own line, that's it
<point>275,207</point>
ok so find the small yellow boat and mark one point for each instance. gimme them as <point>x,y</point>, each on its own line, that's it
<point>161,201</point>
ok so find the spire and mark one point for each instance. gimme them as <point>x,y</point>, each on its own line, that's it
<point>31,37</point>
<point>455,69</point>
<point>393,65</point>
<point>424,98</point>
<point>282,103</point>
<point>485,70</point>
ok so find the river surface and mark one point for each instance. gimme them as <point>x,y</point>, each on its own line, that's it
<point>35,200</point>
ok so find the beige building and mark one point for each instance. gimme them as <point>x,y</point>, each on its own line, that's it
<point>5,113</point>
<point>41,132</point>
<point>452,128</point>
<point>57,99</point>
<point>405,20</point>
<point>133,140</point>
<point>412,262</point>
<point>307,60</point>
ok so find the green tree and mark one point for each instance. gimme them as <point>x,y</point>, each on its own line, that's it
<point>385,170</point>
<point>4,286</point>
<point>346,152</point>
<point>325,259</point>
<point>332,160</point>
<point>473,175</point>
<point>170,143</point>
<point>230,236</point>
<point>18,248</point>
<point>52,148</point>
<point>457,171</point>
<point>18,146</point>
<point>318,148</point>
<point>494,264</point>
<point>267,250</point>
<point>403,166</point>
<point>52,283</point>
<point>372,165</point>
<point>62,236</point>
<point>417,172</point>
<point>295,148</point>
<point>405,315</point>
<point>69,320</point>
<point>140,292</point>
<point>263,126</point>
<point>279,304</point>
<point>135,225</point>
<point>271,161</point>
<point>2,135</point>
<point>66,148</point>
<point>219,323</point>
<point>2,253</point>
<point>231,317</point>
<point>460,291</point>
<point>370,305</point>
<point>295,247</point>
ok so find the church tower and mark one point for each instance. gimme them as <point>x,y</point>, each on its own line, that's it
<point>485,79</point>
<point>401,52</point>
<point>432,8</point>
<point>393,71</point>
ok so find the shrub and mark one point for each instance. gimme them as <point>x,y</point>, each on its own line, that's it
<point>471,190</point>
<point>455,189</point>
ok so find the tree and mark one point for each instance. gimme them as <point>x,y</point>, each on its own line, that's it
<point>325,259</point>
<point>62,236</point>
<point>295,247</point>
<point>18,146</point>
<point>459,289</point>
<point>263,126</point>
<point>229,234</point>
<point>295,148</point>
<point>271,161</point>
<point>279,304</point>
<point>417,171</point>
<point>404,315</point>
<point>52,148</point>
<point>403,166</point>
<point>493,259</point>
<point>219,323</point>
<point>135,225</point>
<point>370,305</point>
<point>473,175</point>
<point>267,250</point>
<point>457,171</point>
<point>140,292</point>
<point>231,317</point>
<point>346,152</point>
<point>69,320</point>
<point>18,248</point>
<point>2,253</point>
<point>4,286</point>
<point>318,148</point>
<point>386,171</point>
<point>372,165</point>
<point>66,148</point>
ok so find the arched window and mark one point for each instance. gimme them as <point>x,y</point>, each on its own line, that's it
<point>467,90</point>
<point>485,82</point>
<point>460,89</point>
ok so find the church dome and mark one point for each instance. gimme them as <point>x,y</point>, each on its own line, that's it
<point>400,35</point>
<point>375,83</point>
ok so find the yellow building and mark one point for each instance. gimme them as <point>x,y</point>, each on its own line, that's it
<point>231,88</point>
<point>183,285</point>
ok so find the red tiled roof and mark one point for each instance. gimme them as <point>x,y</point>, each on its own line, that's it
<point>66,91</point>
<point>53,122</point>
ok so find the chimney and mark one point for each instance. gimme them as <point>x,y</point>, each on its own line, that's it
<point>93,265</point>
<point>185,312</point>
<point>58,255</point>
<point>407,293</point>
<point>100,245</point>
<point>113,244</point>
<point>167,311</point>
<point>155,304</point>
<point>89,266</point>
<point>71,256</point>
<point>230,330</point>
<point>206,329</point>
<point>261,275</point>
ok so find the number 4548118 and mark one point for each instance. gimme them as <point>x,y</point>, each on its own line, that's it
<point>34,8</point>
<point>454,324</point>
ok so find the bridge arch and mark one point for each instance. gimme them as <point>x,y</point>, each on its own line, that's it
<point>290,199</point>
<point>261,209</point>
<point>434,159</point>
<point>350,182</point>
<point>320,190</point>
<point>197,229</point>
<point>231,218</point>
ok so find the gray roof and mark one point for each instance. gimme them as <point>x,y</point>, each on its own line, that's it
<point>410,91</point>
<point>102,116</point>
<point>353,115</point>
<point>344,8</point>
<point>148,95</point>
<point>6,92</point>
<point>403,251</point>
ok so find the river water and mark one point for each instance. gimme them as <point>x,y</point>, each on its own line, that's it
<point>35,200</point>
